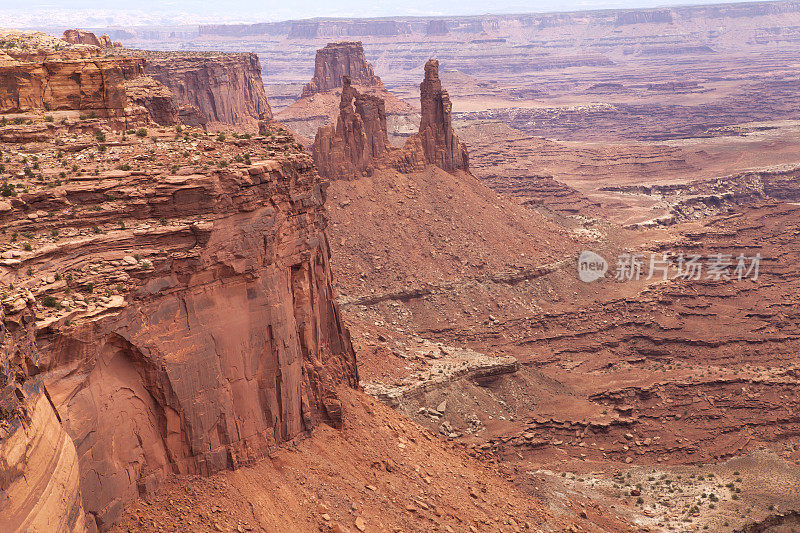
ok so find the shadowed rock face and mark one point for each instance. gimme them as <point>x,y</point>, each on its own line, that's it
<point>228,345</point>
<point>155,97</point>
<point>337,60</point>
<point>357,141</point>
<point>440,144</point>
<point>226,88</point>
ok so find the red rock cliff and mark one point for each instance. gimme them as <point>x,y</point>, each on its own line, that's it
<point>226,88</point>
<point>87,37</point>
<point>337,60</point>
<point>193,329</point>
<point>38,75</point>
<point>439,143</point>
<point>155,97</point>
<point>358,143</point>
<point>359,138</point>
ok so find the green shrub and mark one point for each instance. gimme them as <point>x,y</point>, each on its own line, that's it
<point>50,301</point>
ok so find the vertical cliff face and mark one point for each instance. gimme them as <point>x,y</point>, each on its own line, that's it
<point>39,483</point>
<point>38,469</point>
<point>194,329</point>
<point>155,97</point>
<point>226,88</point>
<point>43,72</point>
<point>439,143</point>
<point>357,141</point>
<point>337,60</point>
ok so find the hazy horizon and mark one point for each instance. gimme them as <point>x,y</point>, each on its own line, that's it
<point>190,12</point>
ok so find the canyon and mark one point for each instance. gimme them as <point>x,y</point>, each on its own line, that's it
<point>129,268</point>
<point>364,311</point>
<point>169,313</point>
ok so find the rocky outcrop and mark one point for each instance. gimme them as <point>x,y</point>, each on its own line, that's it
<point>359,138</point>
<point>226,88</point>
<point>189,327</point>
<point>652,16</point>
<point>70,80</point>
<point>437,27</point>
<point>39,73</point>
<point>440,144</point>
<point>319,104</point>
<point>359,143</point>
<point>87,37</point>
<point>155,97</point>
<point>337,60</point>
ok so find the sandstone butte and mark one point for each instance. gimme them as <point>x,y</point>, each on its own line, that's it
<point>319,104</point>
<point>170,317</point>
<point>358,143</point>
<point>337,60</point>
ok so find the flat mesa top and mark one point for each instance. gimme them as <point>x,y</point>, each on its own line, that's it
<point>35,40</point>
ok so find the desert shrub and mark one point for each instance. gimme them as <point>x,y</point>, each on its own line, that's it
<point>50,301</point>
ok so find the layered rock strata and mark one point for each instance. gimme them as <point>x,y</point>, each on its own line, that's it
<point>40,482</point>
<point>226,88</point>
<point>156,98</point>
<point>337,60</point>
<point>359,142</point>
<point>38,75</point>
<point>320,102</point>
<point>440,144</point>
<point>176,321</point>
<point>359,138</point>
